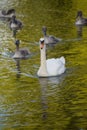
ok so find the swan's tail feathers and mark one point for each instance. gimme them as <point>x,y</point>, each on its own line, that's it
<point>62,59</point>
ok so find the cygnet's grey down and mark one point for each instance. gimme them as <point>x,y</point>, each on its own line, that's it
<point>49,39</point>
<point>21,53</point>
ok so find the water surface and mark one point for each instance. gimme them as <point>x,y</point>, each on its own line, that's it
<point>31,103</point>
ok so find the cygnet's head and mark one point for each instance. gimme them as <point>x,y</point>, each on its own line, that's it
<point>79,14</point>
<point>17,42</point>
<point>13,17</point>
<point>10,11</point>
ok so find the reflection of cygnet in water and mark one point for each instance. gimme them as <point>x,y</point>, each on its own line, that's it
<point>18,67</point>
<point>79,30</point>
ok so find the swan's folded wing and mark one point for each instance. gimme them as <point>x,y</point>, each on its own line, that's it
<point>54,67</point>
<point>62,59</point>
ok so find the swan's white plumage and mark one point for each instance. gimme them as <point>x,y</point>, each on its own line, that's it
<point>55,66</point>
<point>50,67</point>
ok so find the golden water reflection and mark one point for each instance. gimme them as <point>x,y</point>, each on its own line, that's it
<point>57,103</point>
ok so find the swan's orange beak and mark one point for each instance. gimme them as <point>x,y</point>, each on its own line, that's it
<point>42,45</point>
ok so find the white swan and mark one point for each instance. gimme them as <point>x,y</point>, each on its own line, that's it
<point>50,67</point>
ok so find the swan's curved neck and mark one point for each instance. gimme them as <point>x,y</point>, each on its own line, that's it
<point>43,68</point>
<point>43,56</point>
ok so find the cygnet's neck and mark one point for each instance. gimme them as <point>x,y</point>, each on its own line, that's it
<point>17,47</point>
<point>80,18</point>
<point>17,53</point>
<point>44,33</point>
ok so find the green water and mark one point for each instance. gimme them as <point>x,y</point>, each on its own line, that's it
<point>31,103</point>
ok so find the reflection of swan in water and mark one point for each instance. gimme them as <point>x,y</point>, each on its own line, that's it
<point>44,83</point>
<point>18,67</point>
